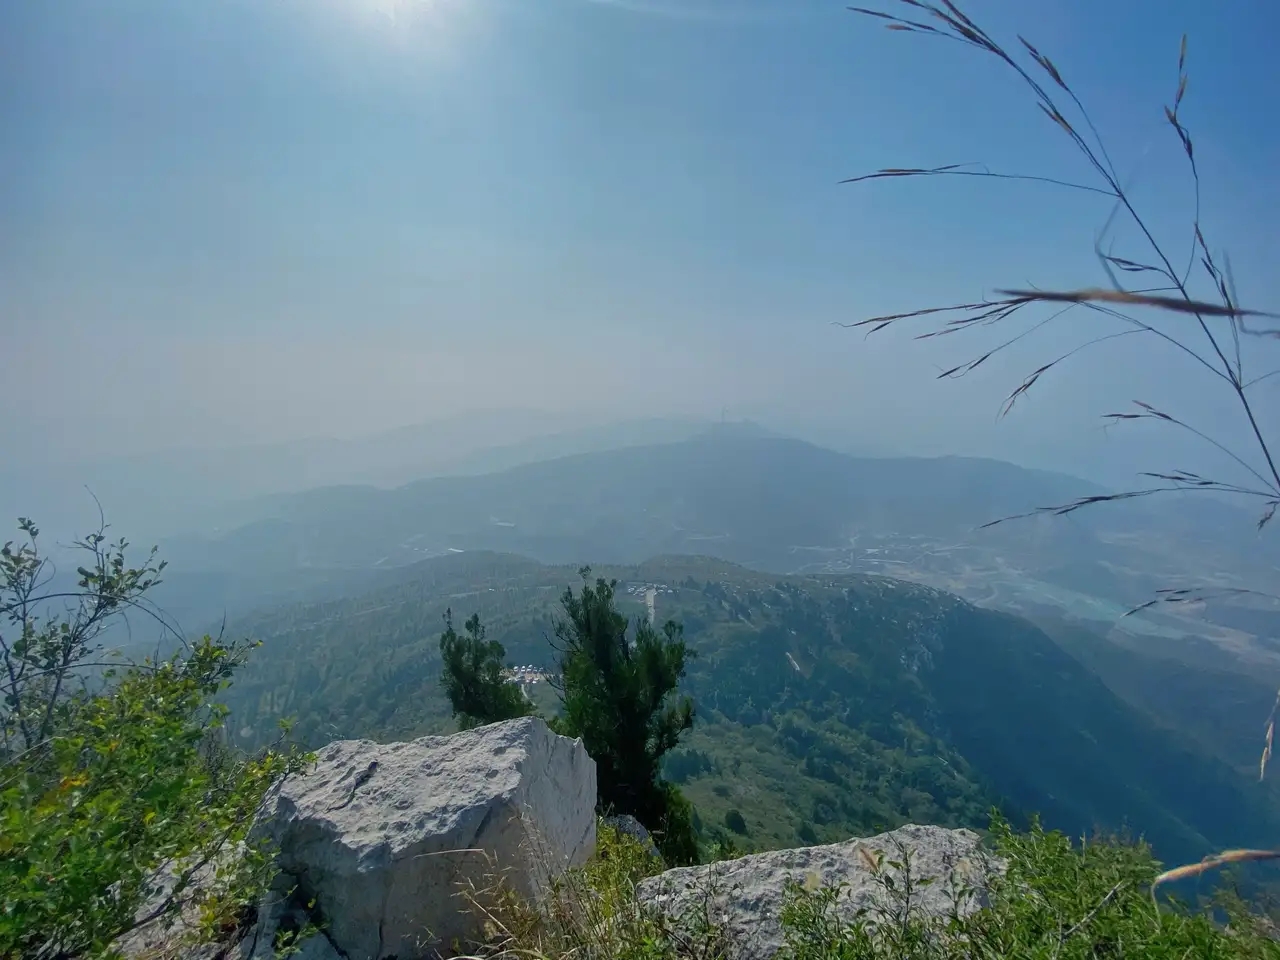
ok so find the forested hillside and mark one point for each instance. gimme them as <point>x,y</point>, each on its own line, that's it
<point>827,706</point>
<point>1190,686</point>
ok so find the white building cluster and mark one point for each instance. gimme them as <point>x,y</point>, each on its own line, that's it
<point>526,674</point>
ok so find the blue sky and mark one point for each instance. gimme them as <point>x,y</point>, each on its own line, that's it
<point>228,221</point>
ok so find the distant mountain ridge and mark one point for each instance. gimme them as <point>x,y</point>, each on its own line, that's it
<point>749,496</point>
<point>200,488</point>
<point>752,493</point>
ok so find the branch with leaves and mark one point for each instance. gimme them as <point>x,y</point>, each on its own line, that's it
<point>47,656</point>
<point>121,808</point>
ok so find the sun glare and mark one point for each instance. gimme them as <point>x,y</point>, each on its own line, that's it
<point>400,10</point>
<point>435,28</point>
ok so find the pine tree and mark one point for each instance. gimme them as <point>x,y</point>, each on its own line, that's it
<point>473,678</point>
<point>618,693</point>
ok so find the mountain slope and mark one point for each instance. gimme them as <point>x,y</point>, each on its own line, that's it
<point>1193,687</point>
<point>827,705</point>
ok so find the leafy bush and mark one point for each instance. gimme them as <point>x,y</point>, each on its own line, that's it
<point>677,832</point>
<point>120,809</point>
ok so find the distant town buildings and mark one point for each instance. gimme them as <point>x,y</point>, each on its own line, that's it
<point>524,675</point>
<point>640,589</point>
<point>649,593</point>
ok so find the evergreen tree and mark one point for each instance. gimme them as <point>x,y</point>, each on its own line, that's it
<point>619,695</point>
<point>473,678</point>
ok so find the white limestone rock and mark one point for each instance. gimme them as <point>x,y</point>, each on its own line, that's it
<point>387,837</point>
<point>744,897</point>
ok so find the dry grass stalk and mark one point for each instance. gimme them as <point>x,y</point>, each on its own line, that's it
<point>1223,859</point>
<point>1218,327</point>
<point>1213,341</point>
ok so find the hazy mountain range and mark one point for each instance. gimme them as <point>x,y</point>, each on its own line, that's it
<point>741,493</point>
<point>749,493</point>
<point>200,488</point>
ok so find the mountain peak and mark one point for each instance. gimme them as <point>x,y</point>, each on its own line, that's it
<point>738,429</point>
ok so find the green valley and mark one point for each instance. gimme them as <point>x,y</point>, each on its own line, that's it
<point>827,706</point>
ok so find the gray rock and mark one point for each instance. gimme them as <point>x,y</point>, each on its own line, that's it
<point>626,824</point>
<point>744,897</point>
<point>177,933</point>
<point>280,909</point>
<point>388,838</point>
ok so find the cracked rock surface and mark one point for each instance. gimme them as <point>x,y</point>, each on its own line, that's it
<point>743,898</point>
<point>388,838</point>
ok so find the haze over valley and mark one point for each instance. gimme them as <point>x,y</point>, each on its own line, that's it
<point>738,492</point>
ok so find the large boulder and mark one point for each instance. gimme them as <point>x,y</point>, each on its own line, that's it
<point>743,898</point>
<point>389,839</point>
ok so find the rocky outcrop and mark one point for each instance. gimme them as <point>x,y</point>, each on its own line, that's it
<point>744,897</point>
<point>390,848</point>
<point>388,838</point>
<point>629,826</point>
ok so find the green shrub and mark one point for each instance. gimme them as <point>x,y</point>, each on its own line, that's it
<point>592,912</point>
<point>120,808</point>
<point>128,790</point>
<point>1056,900</point>
<point>734,821</point>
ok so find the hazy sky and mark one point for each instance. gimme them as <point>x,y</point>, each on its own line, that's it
<point>225,221</point>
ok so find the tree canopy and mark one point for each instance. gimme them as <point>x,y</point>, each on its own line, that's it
<point>472,676</point>
<point>619,694</point>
